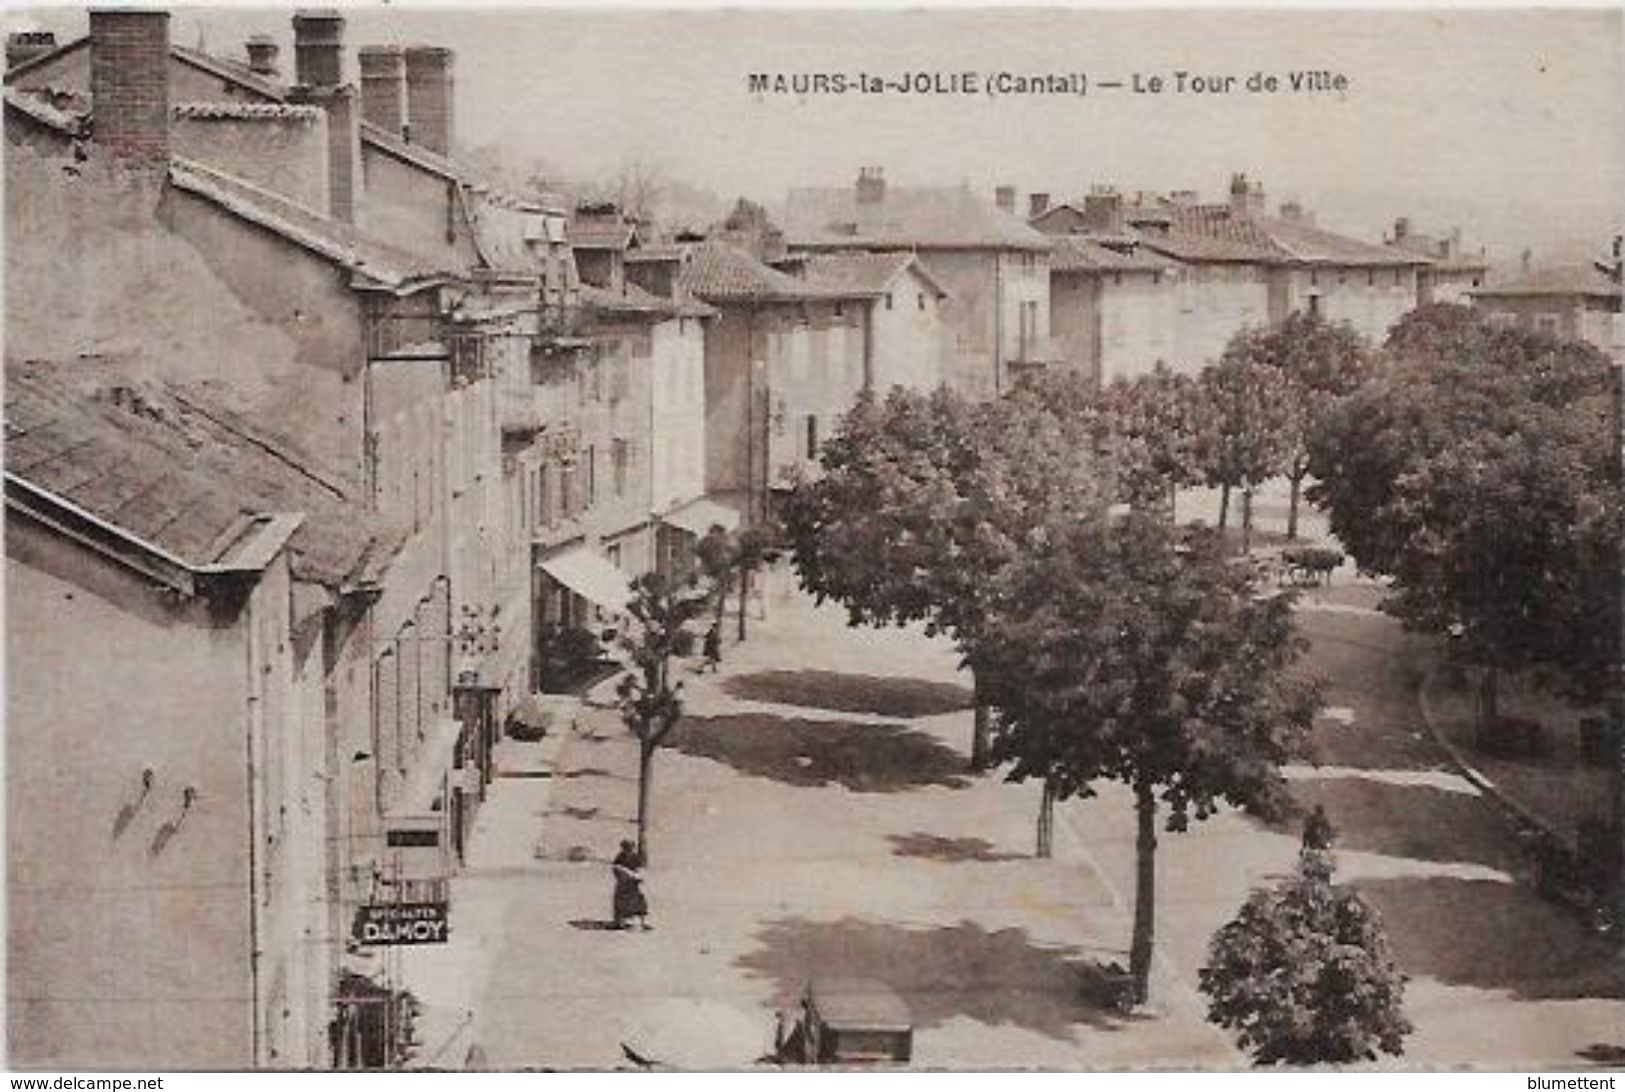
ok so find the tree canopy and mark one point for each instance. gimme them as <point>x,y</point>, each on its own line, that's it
<point>1480,470</point>
<point>1303,974</point>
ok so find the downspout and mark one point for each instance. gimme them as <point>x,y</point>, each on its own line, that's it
<point>253,734</point>
<point>869,345</point>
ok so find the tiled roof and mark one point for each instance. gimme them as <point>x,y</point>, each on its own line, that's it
<point>633,300</point>
<point>380,263</point>
<point>1079,254</point>
<point>719,273</point>
<point>247,111</point>
<point>178,470</point>
<point>1558,280</point>
<point>1304,241</point>
<point>655,252</point>
<point>950,217</point>
<point>415,154</point>
<point>865,273</point>
<point>235,71</point>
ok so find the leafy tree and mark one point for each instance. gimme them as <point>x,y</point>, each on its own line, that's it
<point>1130,650</point>
<point>714,552</point>
<point>925,498</point>
<point>1249,430</point>
<point>1480,470</point>
<point>1303,974</point>
<point>749,555</point>
<point>1158,421</point>
<point>1320,362</point>
<point>650,699</point>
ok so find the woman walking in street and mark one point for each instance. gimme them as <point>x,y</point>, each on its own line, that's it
<point>629,903</point>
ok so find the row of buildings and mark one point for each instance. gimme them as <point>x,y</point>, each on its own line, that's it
<point>266,629</point>
<point>262,646</point>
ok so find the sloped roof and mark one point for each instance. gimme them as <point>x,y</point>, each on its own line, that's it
<point>599,233</point>
<point>1558,280</point>
<point>1081,254</point>
<point>179,471</point>
<point>632,300</point>
<point>869,273</point>
<point>908,217</point>
<point>719,273</point>
<point>1306,242</point>
<point>38,108</point>
<point>234,71</point>
<point>373,262</point>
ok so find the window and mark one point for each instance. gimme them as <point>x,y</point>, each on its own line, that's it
<point>1548,324</point>
<point>544,496</point>
<point>1399,278</point>
<point>1314,278</point>
<point>920,301</point>
<point>840,309</point>
<point>590,492</point>
<point>618,457</point>
<point>812,436</point>
<point>1371,278</point>
<point>888,301</point>
<point>1505,319</point>
<point>569,491</point>
<point>613,552</point>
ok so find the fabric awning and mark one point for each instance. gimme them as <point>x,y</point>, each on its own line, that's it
<point>699,516</point>
<point>592,576</point>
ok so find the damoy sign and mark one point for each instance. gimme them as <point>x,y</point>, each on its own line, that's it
<point>402,923</point>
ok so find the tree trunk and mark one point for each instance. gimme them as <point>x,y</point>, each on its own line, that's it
<point>1292,509</point>
<point>744,588</point>
<point>1247,520</point>
<point>982,729</point>
<point>1145,893</point>
<point>1224,506</point>
<point>1489,701</point>
<point>646,766</point>
<point>1046,821</point>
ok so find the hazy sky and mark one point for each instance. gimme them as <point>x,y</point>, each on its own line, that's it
<point>1511,124</point>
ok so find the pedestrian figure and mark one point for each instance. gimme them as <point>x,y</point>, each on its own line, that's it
<point>629,903</point>
<point>713,648</point>
<point>1318,832</point>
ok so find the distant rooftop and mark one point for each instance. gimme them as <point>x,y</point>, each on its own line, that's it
<point>903,217</point>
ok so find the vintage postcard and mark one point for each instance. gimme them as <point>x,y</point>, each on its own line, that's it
<point>541,538</point>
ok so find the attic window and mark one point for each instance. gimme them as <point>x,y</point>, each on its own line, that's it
<point>888,301</point>
<point>920,300</point>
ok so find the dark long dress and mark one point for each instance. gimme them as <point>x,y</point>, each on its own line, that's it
<point>629,900</point>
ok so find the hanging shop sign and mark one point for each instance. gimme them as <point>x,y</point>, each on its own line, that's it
<point>395,923</point>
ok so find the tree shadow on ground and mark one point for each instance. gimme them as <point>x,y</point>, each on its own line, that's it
<point>933,847</point>
<point>1609,1054</point>
<point>997,978</point>
<point>1493,935</point>
<point>1418,822</point>
<point>861,757</point>
<point>842,692</point>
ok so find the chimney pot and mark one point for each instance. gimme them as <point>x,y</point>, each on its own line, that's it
<point>429,98</point>
<point>318,47</point>
<point>871,188</point>
<point>25,45</point>
<point>383,87</point>
<point>262,54</point>
<point>1037,205</point>
<point>129,84</point>
<point>1005,198</point>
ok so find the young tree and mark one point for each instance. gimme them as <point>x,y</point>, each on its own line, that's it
<point>749,555</point>
<point>1249,428</point>
<point>1319,362</point>
<point>1157,421</point>
<point>925,498</point>
<point>715,553</point>
<point>1303,974</point>
<point>1129,650</point>
<point>650,699</point>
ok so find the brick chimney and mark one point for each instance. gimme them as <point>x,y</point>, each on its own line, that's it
<point>1402,229</point>
<point>1246,199</point>
<point>25,45</point>
<point>429,100</point>
<point>262,54</point>
<point>318,48</point>
<point>871,188</point>
<point>383,87</point>
<point>1103,210</point>
<point>1037,205</point>
<point>129,85</point>
<point>318,51</point>
<point>1005,198</point>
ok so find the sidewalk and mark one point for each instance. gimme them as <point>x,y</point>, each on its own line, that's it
<point>838,836</point>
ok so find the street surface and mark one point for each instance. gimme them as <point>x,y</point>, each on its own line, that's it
<point>813,816</point>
